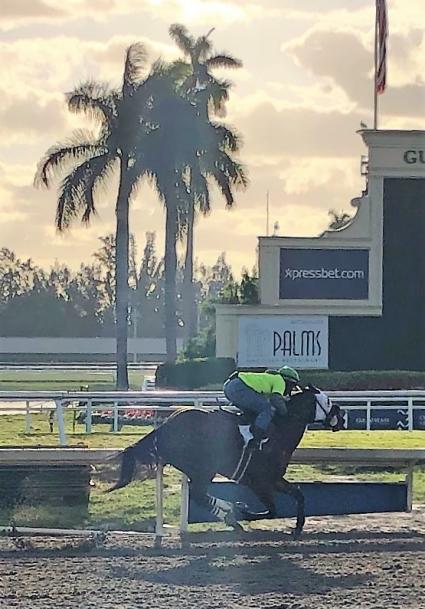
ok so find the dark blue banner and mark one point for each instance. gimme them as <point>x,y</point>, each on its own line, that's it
<point>379,419</point>
<point>324,274</point>
<point>321,498</point>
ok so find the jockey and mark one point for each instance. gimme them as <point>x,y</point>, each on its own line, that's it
<point>250,391</point>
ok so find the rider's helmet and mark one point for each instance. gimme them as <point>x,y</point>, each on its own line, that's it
<point>289,374</point>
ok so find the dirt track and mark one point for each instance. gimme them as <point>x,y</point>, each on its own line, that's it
<point>357,562</point>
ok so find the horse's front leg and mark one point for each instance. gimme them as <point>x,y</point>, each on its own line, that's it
<point>283,486</point>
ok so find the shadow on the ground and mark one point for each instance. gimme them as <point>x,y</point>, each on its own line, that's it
<point>250,574</point>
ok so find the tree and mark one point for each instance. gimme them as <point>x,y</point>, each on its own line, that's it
<point>148,293</point>
<point>93,158</point>
<point>216,143</point>
<point>338,219</point>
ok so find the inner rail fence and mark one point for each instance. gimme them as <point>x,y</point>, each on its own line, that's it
<point>367,410</point>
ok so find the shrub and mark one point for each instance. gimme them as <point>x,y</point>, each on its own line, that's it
<point>194,373</point>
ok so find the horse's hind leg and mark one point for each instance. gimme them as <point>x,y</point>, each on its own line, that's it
<point>223,510</point>
<point>264,492</point>
<point>283,486</point>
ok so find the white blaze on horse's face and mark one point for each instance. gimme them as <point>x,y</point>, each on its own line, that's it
<point>323,409</point>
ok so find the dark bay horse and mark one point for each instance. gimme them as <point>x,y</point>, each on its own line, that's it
<point>203,444</point>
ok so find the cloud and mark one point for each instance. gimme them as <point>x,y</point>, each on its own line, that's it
<point>29,116</point>
<point>351,68</point>
<point>21,9</point>
<point>299,132</point>
<point>198,12</point>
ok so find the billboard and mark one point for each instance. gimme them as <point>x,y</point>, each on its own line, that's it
<point>272,341</point>
<point>324,274</point>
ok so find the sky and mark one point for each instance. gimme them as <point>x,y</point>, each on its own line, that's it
<point>297,103</point>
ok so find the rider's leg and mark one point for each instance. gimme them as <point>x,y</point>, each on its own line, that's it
<point>249,400</point>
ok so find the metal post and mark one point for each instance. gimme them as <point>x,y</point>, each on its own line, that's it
<point>115,423</point>
<point>368,415</point>
<point>375,90</point>
<point>159,501</point>
<point>61,423</point>
<point>184,504</point>
<point>409,482</point>
<point>27,417</point>
<point>410,413</point>
<point>88,416</point>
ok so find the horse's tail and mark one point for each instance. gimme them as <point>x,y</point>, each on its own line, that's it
<point>143,453</point>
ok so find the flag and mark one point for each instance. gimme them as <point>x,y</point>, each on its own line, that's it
<point>381,46</point>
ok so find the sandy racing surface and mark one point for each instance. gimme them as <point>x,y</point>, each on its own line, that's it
<point>354,562</point>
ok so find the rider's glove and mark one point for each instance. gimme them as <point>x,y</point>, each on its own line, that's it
<point>279,404</point>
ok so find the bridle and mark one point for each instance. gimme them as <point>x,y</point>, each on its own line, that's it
<point>333,418</point>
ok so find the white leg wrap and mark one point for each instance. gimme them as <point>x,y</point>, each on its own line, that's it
<point>220,507</point>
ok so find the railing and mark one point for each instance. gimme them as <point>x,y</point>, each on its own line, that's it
<point>403,459</point>
<point>408,406</point>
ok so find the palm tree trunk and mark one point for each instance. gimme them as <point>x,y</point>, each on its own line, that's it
<point>190,310</point>
<point>121,278</point>
<point>170,281</point>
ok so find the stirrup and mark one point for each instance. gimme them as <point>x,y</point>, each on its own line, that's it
<point>257,443</point>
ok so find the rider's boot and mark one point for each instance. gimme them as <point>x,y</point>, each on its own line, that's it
<point>260,437</point>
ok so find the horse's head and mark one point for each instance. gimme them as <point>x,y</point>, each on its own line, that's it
<point>325,412</point>
<point>314,406</point>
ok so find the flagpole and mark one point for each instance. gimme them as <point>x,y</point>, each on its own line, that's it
<point>375,88</point>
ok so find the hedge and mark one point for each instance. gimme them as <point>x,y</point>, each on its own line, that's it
<point>212,372</point>
<point>365,380</point>
<point>194,373</point>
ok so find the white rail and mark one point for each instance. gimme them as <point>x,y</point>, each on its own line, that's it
<point>29,402</point>
<point>404,459</point>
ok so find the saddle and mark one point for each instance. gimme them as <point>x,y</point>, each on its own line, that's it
<point>244,421</point>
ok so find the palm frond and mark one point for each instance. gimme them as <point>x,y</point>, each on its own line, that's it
<point>231,169</point>
<point>180,35</point>
<point>227,138</point>
<point>77,188</point>
<point>201,49</point>
<point>200,192</point>
<point>135,65</point>
<point>81,145</point>
<point>223,61</point>
<point>95,99</point>
<point>218,92</point>
<point>180,71</point>
<point>224,186</point>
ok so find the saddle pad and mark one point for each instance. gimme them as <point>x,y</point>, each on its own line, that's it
<point>245,433</point>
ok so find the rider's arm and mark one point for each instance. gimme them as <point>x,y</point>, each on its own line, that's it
<point>278,384</point>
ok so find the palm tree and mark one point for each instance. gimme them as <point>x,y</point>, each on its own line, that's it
<point>172,131</point>
<point>208,94</point>
<point>338,219</point>
<point>89,160</point>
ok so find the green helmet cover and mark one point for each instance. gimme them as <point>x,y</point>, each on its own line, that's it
<point>289,374</point>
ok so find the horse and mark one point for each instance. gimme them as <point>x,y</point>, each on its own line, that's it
<point>202,444</point>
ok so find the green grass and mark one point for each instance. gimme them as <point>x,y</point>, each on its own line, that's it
<point>134,508</point>
<point>68,380</point>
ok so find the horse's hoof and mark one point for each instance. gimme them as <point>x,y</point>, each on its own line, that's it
<point>231,521</point>
<point>296,534</point>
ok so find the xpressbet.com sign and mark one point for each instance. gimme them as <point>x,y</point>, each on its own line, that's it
<point>324,274</point>
<point>299,341</point>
